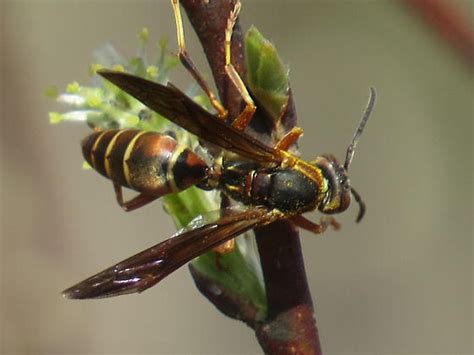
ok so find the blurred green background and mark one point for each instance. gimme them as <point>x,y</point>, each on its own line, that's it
<point>399,282</point>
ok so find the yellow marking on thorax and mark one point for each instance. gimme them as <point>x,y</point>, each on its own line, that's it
<point>126,157</point>
<point>169,172</point>
<point>233,188</point>
<point>288,160</point>
<point>110,147</point>
<point>310,171</point>
<point>94,148</point>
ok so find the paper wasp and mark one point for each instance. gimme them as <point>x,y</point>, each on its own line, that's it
<point>270,182</point>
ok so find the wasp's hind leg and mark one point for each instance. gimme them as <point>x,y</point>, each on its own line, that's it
<point>135,202</point>
<point>244,118</point>
<point>316,228</point>
<point>189,65</point>
<point>228,246</point>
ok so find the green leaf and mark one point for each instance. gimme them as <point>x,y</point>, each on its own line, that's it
<point>233,272</point>
<point>266,74</point>
<point>186,205</point>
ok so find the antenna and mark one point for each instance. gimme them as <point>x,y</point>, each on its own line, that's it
<point>368,110</point>
<point>361,204</point>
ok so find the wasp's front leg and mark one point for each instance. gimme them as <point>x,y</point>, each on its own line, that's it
<point>316,228</point>
<point>289,139</point>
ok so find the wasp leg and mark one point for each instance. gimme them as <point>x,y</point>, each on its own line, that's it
<point>228,246</point>
<point>243,119</point>
<point>225,248</point>
<point>325,221</point>
<point>134,203</point>
<point>289,139</point>
<point>189,65</point>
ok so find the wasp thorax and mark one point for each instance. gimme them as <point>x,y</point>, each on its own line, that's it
<point>338,193</point>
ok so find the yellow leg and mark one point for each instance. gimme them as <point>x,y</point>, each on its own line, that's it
<point>243,119</point>
<point>189,65</point>
<point>230,245</point>
<point>225,248</point>
<point>325,222</point>
<point>289,139</point>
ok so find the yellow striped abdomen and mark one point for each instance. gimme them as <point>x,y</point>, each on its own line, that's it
<point>148,162</point>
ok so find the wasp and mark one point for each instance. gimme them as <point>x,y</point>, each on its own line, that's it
<point>269,181</point>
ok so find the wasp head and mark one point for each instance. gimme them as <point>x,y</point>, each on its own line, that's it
<point>337,195</point>
<point>337,192</point>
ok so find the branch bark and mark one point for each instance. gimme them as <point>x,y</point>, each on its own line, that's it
<point>289,326</point>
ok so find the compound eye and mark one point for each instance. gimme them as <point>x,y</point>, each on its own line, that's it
<point>343,180</point>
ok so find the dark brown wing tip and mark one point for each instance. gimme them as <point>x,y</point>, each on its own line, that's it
<point>82,292</point>
<point>75,293</point>
<point>112,75</point>
<point>106,72</point>
<point>79,292</point>
<point>97,287</point>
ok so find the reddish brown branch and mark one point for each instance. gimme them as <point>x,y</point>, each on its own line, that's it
<point>449,24</point>
<point>209,20</point>
<point>232,305</point>
<point>290,308</point>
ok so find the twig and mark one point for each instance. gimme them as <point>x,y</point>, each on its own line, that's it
<point>449,24</point>
<point>289,326</point>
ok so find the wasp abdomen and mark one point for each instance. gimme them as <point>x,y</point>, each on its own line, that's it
<point>148,162</point>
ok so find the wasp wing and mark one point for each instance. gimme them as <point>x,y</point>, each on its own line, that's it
<point>150,266</point>
<point>176,106</point>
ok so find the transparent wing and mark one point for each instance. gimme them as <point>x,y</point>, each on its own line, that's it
<point>150,266</point>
